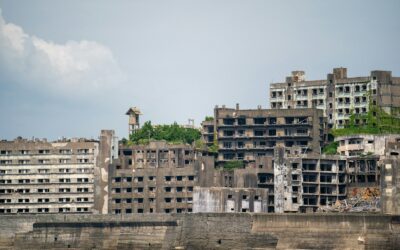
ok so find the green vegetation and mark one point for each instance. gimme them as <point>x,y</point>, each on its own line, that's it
<point>331,148</point>
<point>173,134</point>
<point>209,118</point>
<point>375,121</point>
<point>230,165</point>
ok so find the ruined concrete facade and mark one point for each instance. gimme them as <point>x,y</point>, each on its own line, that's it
<point>246,134</point>
<point>108,153</point>
<point>157,178</point>
<point>338,95</point>
<point>37,176</point>
<point>230,200</point>
<point>305,184</point>
<point>368,144</point>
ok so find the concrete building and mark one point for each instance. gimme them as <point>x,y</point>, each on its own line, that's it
<point>230,200</point>
<point>207,132</point>
<point>338,95</point>
<point>367,144</point>
<point>37,176</point>
<point>305,184</point>
<point>387,149</point>
<point>246,134</point>
<point>157,178</point>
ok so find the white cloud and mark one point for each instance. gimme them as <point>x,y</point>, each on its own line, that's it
<point>77,68</point>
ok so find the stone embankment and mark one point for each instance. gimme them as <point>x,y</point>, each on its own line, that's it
<point>201,231</point>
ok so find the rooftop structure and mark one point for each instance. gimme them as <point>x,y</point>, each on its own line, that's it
<point>134,122</point>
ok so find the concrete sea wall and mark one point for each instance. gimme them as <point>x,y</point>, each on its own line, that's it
<point>200,231</point>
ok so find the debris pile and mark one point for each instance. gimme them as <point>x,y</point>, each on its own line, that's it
<point>367,200</point>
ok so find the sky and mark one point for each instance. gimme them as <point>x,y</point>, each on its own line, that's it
<point>72,68</point>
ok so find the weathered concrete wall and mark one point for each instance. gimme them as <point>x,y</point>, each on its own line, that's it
<point>201,231</point>
<point>230,200</point>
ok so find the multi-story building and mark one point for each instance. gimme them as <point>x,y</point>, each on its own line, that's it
<point>246,134</point>
<point>157,178</point>
<point>37,176</point>
<point>207,132</point>
<point>304,184</point>
<point>338,95</point>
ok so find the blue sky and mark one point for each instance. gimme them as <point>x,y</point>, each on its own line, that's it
<point>72,68</point>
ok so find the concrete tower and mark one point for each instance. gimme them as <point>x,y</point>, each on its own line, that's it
<point>134,123</point>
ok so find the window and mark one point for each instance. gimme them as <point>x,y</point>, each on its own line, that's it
<point>65,151</point>
<point>5,152</point>
<point>82,209</point>
<point>83,160</point>
<point>191,177</point>
<point>64,180</point>
<point>84,180</point>
<point>23,210</point>
<point>43,210</point>
<point>64,209</point>
<point>83,151</point>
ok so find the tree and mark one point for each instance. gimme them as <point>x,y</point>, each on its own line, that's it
<point>171,133</point>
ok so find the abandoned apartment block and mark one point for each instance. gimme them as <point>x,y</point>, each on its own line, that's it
<point>338,95</point>
<point>246,134</point>
<point>157,178</point>
<point>37,176</point>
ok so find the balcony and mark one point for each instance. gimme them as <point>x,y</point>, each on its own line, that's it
<point>301,98</point>
<point>343,94</point>
<point>343,105</point>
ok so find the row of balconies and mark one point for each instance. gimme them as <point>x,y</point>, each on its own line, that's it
<point>30,153</point>
<point>39,172</point>
<point>45,163</point>
<point>277,135</point>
